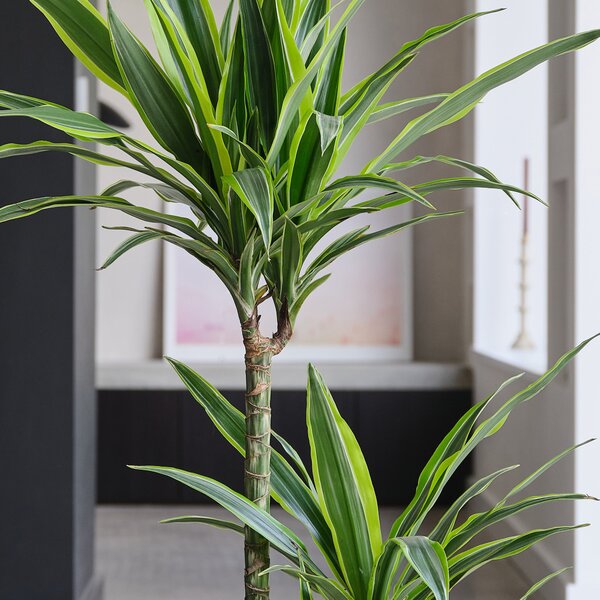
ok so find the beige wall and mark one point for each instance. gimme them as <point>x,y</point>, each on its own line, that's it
<point>537,431</point>
<point>129,318</point>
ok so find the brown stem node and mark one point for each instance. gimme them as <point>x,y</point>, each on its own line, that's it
<point>262,476</point>
<point>258,390</point>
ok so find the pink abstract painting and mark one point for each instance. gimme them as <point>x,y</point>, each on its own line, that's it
<point>363,305</point>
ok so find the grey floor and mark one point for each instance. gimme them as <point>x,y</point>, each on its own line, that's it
<point>141,559</point>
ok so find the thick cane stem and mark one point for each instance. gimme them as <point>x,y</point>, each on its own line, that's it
<point>257,465</point>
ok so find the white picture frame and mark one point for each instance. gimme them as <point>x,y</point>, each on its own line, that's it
<point>227,353</point>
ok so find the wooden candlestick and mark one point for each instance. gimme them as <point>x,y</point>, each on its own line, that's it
<point>523,340</point>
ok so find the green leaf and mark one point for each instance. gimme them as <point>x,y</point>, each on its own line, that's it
<point>142,164</point>
<point>287,487</point>
<point>27,208</point>
<point>311,155</point>
<point>358,182</point>
<point>156,100</point>
<point>290,261</point>
<point>198,21</point>
<point>292,11</point>
<point>83,30</point>
<point>314,37</point>
<point>201,247</point>
<point>165,52</point>
<point>305,591</point>
<point>469,166</point>
<point>327,97</point>
<point>344,486</point>
<point>247,278</point>
<point>226,31</point>
<point>253,158</point>
<point>405,51</point>
<point>393,109</point>
<point>358,114</point>
<point>219,523</point>
<point>297,460</point>
<point>209,254</point>
<point>424,555</point>
<point>360,102</point>
<point>77,124</point>
<point>359,237</point>
<point>465,564</point>
<point>479,522</point>
<point>305,290</point>
<point>445,525</point>
<point>450,184</point>
<point>40,146</point>
<point>540,584</point>
<point>329,128</point>
<point>260,68</point>
<point>539,472</point>
<point>295,63</point>
<point>278,535</point>
<point>456,447</point>
<point>255,188</point>
<point>284,55</point>
<point>130,243</point>
<point>428,559</point>
<point>299,89</point>
<point>474,558</point>
<point>194,81</point>
<point>448,447</point>
<point>231,108</point>
<point>461,102</point>
<point>12,100</point>
<point>162,190</point>
<point>313,12</point>
<point>328,588</point>
<point>205,196</point>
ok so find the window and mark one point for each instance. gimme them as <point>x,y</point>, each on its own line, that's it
<point>510,246</point>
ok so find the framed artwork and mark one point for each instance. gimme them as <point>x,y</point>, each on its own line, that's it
<point>361,314</point>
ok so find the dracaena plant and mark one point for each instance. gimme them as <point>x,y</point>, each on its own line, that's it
<point>251,125</point>
<point>424,555</point>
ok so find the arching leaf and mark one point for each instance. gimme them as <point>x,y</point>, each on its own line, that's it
<point>84,32</point>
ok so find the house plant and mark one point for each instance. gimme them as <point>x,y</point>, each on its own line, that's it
<point>251,124</point>
<point>336,501</point>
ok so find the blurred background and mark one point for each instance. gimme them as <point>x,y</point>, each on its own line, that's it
<point>440,322</point>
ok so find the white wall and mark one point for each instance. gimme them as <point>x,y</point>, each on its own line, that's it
<point>129,315</point>
<point>129,307</point>
<point>567,413</point>
<point>587,301</point>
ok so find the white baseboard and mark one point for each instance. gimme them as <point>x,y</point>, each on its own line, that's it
<point>534,564</point>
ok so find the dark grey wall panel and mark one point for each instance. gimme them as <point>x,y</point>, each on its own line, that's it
<point>137,429</point>
<point>46,341</point>
<point>398,431</point>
